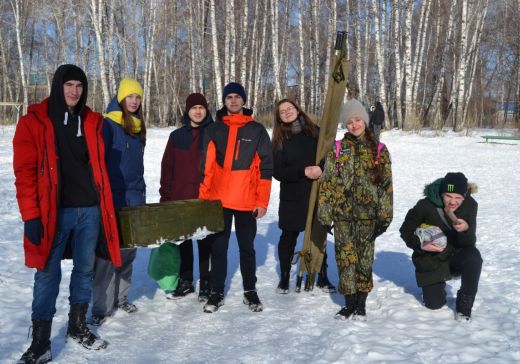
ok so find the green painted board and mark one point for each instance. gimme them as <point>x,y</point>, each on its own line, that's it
<point>154,223</point>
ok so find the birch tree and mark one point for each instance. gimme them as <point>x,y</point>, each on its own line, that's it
<point>98,21</point>
<point>275,31</point>
<point>19,9</point>
<point>216,60</point>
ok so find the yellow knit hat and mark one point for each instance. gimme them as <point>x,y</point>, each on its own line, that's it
<point>127,87</point>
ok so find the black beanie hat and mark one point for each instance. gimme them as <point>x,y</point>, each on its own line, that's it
<point>195,99</point>
<point>234,88</point>
<point>74,73</point>
<point>454,182</point>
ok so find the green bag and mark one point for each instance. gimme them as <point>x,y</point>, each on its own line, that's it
<point>164,265</point>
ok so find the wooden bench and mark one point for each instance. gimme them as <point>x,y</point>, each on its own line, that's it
<point>500,137</point>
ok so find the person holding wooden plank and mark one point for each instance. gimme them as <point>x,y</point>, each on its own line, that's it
<point>237,166</point>
<point>180,178</point>
<point>295,139</point>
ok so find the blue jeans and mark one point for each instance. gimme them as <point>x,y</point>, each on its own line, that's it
<point>80,226</point>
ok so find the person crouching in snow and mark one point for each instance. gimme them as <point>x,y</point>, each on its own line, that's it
<point>449,208</point>
<point>124,134</point>
<point>356,196</point>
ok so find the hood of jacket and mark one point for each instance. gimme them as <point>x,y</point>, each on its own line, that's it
<point>432,191</point>
<point>56,104</point>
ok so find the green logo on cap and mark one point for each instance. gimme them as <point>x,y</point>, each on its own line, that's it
<point>451,187</point>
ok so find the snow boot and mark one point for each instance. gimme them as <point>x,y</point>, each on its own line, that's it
<point>463,306</point>
<point>97,320</point>
<point>348,310</point>
<point>183,289</point>
<point>251,299</point>
<point>323,279</point>
<point>78,330</point>
<point>128,307</point>
<point>204,291</point>
<point>283,285</point>
<point>40,349</point>
<point>360,313</point>
<point>215,300</point>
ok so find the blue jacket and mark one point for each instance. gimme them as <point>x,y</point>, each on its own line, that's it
<point>125,163</point>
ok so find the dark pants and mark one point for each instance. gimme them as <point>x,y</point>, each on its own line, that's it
<point>467,263</point>
<point>286,247</point>
<point>186,250</point>
<point>245,228</point>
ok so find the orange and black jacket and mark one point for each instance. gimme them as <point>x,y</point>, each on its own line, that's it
<point>237,162</point>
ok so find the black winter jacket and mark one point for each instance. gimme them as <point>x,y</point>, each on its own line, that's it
<point>431,267</point>
<point>290,161</point>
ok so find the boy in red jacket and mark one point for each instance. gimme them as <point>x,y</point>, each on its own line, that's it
<point>65,200</point>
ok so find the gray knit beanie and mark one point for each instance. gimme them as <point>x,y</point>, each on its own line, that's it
<point>351,109</point>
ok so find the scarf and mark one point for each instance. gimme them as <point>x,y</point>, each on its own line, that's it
<point>117,117</point>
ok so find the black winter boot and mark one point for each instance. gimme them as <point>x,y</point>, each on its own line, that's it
<point>349,308</point>
<point>40,350</point>
<point>283,285</point>
<point>463,306</point>
<point>204,290</point>
<point>323,279</point>
<point>79,331</point>
<point>360,313</point>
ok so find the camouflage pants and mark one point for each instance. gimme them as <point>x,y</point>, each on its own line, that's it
<point>354,246</point>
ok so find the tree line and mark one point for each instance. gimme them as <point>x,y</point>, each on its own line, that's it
<point>431,63</point>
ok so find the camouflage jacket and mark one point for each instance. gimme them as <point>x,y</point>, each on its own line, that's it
<point>347,190</point>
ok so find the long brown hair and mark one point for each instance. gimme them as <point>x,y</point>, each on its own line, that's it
<point>282,131</point>
<point>128,123</point>
<point>373,144</point>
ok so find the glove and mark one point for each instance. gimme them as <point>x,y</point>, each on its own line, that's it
<point>431,237</point>
<point>33,229</point>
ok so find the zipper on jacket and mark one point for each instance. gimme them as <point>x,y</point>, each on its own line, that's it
<point>238,148</point>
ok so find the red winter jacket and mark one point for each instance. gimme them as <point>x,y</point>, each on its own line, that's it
<point>35,164</point>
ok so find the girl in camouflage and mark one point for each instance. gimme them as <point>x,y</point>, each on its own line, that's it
<point>356,197</point>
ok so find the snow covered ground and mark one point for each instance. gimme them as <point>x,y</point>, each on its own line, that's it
<point>301,327</point>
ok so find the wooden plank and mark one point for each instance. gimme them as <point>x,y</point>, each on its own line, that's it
<point>173,221</point>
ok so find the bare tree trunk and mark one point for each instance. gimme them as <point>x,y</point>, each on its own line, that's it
<point>193,57</point>
<point>409,117</point>
<point>275,31</point>
<point>96,14</point>
<point>379,48</point>
<point>301,58</point>
<point>149,56</point>
<point>253,62</point>
<point>439,89</point>
<point>216,60</point>
<point>460,87</point>
<point>398,63</point>
<point>19,21</point>
<point>419,51</point>
<point>244,45</point>
<point>259,69</point>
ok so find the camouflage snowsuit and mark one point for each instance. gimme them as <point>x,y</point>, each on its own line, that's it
<point>359,209</point>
